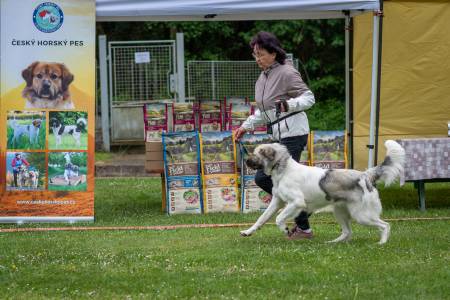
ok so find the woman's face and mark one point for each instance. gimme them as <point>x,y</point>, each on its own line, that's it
<point>263,58</point>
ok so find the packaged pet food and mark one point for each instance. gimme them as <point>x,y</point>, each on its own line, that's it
<point>259,128</point>
<point>236,100</point>
<point>155,119</point>
<point>305,158</point>
<point>329,149</point>
<point>184,116</point>
<point>237,114</point>
<point>184,195</point>
<point>252,197</point>
<point>210,116</point>
<point>182,170</point>
<point>219,176</point>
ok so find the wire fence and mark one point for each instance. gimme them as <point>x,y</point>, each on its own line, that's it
<point>214,80</point>
<point>141,71</point>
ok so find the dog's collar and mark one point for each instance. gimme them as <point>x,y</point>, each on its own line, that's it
<point>276,165</point>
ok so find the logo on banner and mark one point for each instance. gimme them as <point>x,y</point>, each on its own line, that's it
<point>48,17</point>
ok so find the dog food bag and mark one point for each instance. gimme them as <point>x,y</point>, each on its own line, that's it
<point>184,195</point>
<point>252,197</point>
<point>184,116</point>
<point>259,128</point>
<point>210,116</point>
<point>155,120</point>
<point>236,100</point>
<point>305,158</point>
<point>221,193</point>
<point>218,159</point>
<point>182,170</point>
<point>237,114</point>
<point>329,149</point>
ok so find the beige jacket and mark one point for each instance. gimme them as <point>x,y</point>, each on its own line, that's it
<point>281,82</point>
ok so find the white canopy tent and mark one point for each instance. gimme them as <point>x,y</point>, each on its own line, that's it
<point>227,10</point>
<point>234,10</point>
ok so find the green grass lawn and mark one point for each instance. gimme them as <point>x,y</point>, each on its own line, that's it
<point>219,264</point>
<point>68,142</point>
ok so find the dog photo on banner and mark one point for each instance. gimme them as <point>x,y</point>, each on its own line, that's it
<point>68,130</point>
<point>26,130</point>
<point>67,171</point>
<point>25,171</point>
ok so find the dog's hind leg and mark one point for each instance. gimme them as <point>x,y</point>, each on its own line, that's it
<point>383,226</point>
<point>273,207</point>
<point>385,230</point>
<point>367,212</point>
<point>369,218</point>
<point>343,218</point>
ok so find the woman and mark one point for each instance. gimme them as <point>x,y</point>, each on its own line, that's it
<point>280,85</point>
<point>17,164</point>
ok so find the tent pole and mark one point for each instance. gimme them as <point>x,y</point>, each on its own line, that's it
<point>374,92</point>
<point>181,97</point>
<point>377,113</point>
<point>349,85</point>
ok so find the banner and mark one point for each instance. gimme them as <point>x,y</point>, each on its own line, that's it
<point>47,110</point>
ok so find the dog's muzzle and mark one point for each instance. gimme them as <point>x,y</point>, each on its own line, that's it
<point>253,162</point>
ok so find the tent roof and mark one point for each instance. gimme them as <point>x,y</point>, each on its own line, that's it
<point>223,10</point>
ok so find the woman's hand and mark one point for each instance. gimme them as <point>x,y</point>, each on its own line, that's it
<point>239,133</point>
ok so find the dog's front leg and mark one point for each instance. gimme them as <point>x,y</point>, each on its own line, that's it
<point>273,207</point>
<point>291,210</point>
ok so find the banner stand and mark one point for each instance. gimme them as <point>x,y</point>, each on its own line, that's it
<point>47,111</point>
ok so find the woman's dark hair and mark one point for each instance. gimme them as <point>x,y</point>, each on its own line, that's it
<point>269,42</point>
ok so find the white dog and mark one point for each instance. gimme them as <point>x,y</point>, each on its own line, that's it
<point>301,188</point>
<point>34,178</point>
<point>22,176</point>
<point>59,130</point>
<point>70,171</point>
<point>29,130</point>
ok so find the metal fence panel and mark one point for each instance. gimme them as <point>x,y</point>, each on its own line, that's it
<point>141,71</point>
<point>214,80</point>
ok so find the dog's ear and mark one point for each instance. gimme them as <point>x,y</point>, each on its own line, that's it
<point>67,77</point>
<point>268,152</point>
<point>27,74</point>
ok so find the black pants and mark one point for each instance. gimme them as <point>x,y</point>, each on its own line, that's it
<point>295,146</point>
<point>15,178</point>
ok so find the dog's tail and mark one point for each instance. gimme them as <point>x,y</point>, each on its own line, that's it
<point>392,166</point>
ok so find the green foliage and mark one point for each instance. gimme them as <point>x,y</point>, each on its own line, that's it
<point>329,115</point>
<point>77,158</point>
<point>68,117</point>
<point>68,142</point>
<point>318,44</point>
